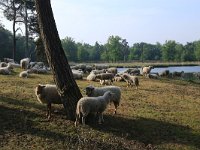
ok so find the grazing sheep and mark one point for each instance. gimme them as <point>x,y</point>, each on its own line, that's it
<point>24,74</point>
<point>131,80</point>
<point>164,73</point>
<point>77,74</point>
<point>118,79</point>
<point>152,76</point>
<point>92,91</point>
<point>177,74</point>
<point>88,105</point>
<point>6,70</point>
<point>48,94</point>
<point>105,76</point>
<point>112,70</point>
<point>3,64</point>
<point>91,77</point>
<point>133,71</point>
<point>147,70</point>
<point>24,63</point>
<point>98,71</point>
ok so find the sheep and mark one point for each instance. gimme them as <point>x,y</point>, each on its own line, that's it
<point>24,74</point>
<point>147,70</point>
<point>98,71</point>
<point>88,105</point>
<point>152,76</point>
<point>164,73</point>
<point>91,77</point>
<point>38,70</point>
<point>112,70</point>
<point>6,70</point>
<point>130,80</point>
<point>105,76</point>
<point>77,74</point>
<point>48,94</point>
<point>92,91</point>
<point>177,74</point>
<point>3,64</point>
<point>133,71</point>
<point>24,63</point>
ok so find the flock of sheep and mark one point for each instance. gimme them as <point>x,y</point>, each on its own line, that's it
<point>97,98</point>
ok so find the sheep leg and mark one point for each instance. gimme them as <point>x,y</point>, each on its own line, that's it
<point>115,112</point>
<point>49,111</point>
<point>83,119</point>
<point>99,118</point>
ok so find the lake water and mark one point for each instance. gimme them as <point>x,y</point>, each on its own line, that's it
<point>171,69</point>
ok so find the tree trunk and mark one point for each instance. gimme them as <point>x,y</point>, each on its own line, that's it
<point>63,77</point>
<point>26,29</point>
<point>14,31</point>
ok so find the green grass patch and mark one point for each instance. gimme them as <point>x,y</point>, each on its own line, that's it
<point>161,114</point>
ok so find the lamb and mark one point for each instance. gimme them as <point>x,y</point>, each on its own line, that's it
<point>24,74</point>
<point>147,70</point>
<point>24,63</point>
<point>47,94</point>
<point>88,105</point>
<point>92,91</point>
<point>130,80</point>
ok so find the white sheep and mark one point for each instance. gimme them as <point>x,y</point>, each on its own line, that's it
<point>105,76</point>
<point>92,91</point>
<point>131,80</point>
<point>147,70</point>
<point>24,74</point>
<point>6,70</point>
<point>48,94</point>
<point>91,77</point>
<point>112,70</point>
<point>24,63</point>
<point>88,105</point>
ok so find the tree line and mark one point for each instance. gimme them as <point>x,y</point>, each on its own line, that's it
<point>116,49</point>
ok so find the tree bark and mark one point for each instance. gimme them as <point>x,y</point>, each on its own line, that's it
<point>14,31</point>
<point>62,74</point>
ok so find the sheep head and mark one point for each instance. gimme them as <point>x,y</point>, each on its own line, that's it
<point>39,89</point>
<point>89,90</point>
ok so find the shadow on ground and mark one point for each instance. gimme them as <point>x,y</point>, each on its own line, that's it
<point>148,131</point>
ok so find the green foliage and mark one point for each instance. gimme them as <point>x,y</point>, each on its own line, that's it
<point>70,48</point>
<point>168,51</point>
<point>197,50</point>
<point>5,43</point>
<point>40,51</point>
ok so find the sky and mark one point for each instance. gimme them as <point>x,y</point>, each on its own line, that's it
<point>149,21</point>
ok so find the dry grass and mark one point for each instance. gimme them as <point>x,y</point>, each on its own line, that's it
<point>161,114</point>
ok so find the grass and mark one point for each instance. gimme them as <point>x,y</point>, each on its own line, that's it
<point>161,114</point>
